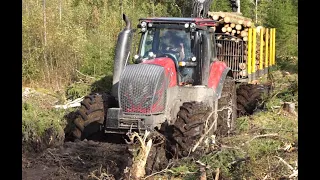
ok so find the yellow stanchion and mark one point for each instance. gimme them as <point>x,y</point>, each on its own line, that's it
<point>249,51</point>
<point>270,47</point>
<point>274,46</point>
<point>261,50</point>
<point>254,44</point>
<point>266,49</point>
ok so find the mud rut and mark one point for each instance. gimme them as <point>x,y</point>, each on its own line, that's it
<point>88,158</point>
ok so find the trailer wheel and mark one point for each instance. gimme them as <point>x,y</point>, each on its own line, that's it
<point>249,97</point>
<point>90,116</point>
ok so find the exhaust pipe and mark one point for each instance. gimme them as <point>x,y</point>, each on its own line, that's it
<point>122,54</point>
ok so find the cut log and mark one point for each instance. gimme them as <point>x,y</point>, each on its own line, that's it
<point>234,31</point>
<point>232,17</point>
<point>238,27</point>
<point>224,29</point>
<point>227,19</point>
<point>243,73</point>
<point>226,25</point>
<point>243,33</point>
<point>229,29</point>
<point>248,23</point>
<point>245,38</point>
<point>215,17</point>
<point>238,32</point>
<point>232,25</point>
<point>242,66</point>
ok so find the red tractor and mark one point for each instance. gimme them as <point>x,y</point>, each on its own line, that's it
<point>177,79</point>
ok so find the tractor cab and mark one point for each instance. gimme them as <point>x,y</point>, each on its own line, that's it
<point>188,42</point>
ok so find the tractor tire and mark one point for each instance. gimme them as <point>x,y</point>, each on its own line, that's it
<point>227,103</point>
<point>91,115</point>
<point>249,98</point>
<point>188,128</point>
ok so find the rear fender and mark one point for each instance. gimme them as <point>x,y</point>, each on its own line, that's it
<point>217,74</point>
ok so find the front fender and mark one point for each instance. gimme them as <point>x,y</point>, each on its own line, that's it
<point>217,75</point>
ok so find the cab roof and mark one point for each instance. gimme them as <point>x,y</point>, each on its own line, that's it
<point>180,20</point>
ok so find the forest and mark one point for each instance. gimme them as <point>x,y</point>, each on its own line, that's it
<point>64,39</point>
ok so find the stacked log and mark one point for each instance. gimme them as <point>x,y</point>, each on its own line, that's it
<point>236,25</point>
<point>232,23</point>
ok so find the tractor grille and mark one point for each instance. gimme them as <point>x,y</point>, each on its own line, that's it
<point>142,89</point>
<point>233,53</point>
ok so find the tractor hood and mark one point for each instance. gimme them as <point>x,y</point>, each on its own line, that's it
<point>143,89</point>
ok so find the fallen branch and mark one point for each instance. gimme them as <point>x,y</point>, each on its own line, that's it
<point>74,103</point>
<point>217,174</point>
<point>85,75</point>
<point>284,162</point>
<point>159,172</point>
<point>238,160</point>
<point>203,167</point>
<point>260,136</point>
<point>294,171</point>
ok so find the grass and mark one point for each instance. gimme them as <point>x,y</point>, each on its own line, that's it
<point>38,116</point>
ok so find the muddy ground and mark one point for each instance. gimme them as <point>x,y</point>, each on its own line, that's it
<point>77,160</point>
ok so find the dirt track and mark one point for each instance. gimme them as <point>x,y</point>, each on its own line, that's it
<point>76,160</point>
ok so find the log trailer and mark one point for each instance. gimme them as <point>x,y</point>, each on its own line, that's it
<point>158,91</point>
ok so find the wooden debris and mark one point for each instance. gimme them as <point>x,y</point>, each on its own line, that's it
<point>290,107</point>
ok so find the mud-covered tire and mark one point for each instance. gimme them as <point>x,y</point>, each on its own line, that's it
<point>188,127</point>
<point>227,103</point>
<point>91,115</point>
<point>249,97</point>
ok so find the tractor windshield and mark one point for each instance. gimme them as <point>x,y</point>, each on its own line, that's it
<point>157,42</point>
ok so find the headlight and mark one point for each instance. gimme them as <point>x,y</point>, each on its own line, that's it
<point>143,24</point>
<point>149,24</point>
<point>182,63</point>
<point>192,25</point>
<point>186,25</point>
<point>143,29</point>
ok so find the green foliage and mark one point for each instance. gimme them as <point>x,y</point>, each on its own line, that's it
<point>35,120</point>
<point>221,5</point>
<point>283,15</point>
<point>77,90</point>
<point>65,36</point>
<point>242,124</point>
<point>285,89</point>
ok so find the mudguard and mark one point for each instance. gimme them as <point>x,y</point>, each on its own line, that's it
<point>169,66</point>
<point>217,75</point>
